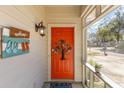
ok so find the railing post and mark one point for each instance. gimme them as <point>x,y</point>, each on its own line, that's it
<point>104,85</point>
<point>84,77</point>
<point>91,79</point>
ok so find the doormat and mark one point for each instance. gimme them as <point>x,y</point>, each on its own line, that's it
<point>60,85</point>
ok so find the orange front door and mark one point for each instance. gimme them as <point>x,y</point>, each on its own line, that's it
<point>62,63</point>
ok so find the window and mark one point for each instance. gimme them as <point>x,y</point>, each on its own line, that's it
<point>104,8</point>
<point>105,44</point>
<point>91,16</point>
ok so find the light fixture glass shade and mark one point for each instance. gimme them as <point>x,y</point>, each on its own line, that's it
<point>41,31</point>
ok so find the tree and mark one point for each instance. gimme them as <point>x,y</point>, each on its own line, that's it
<point>116,25</point>
<point>102,36</point>
<point>111,31</point>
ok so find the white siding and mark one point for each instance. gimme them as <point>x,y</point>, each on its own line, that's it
<point>28,70</point>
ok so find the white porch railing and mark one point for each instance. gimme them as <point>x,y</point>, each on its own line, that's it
<point>92,79</point>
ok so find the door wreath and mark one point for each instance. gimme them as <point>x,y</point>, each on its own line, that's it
<point>62,47</point>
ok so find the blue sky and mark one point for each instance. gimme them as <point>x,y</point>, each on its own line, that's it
<point>108,17</point>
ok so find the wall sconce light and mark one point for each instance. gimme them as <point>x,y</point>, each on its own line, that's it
<point>40,28</point>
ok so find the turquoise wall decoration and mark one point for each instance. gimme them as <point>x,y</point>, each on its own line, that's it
<point>14,42</point>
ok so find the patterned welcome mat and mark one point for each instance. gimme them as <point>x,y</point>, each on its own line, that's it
<point>60,85</point>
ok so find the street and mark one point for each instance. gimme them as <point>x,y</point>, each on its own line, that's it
<point>113,64</point>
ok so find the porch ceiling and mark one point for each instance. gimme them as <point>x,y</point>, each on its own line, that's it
<point>63,11</point>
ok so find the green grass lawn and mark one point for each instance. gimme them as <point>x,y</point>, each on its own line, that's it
<point>93,53</point>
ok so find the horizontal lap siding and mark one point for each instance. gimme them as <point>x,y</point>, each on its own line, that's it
<point>28,70</point>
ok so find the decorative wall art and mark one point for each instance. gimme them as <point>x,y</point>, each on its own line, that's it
<point>14,42</point>
<point>62,47</point>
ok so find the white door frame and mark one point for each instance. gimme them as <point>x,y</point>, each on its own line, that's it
<point>49,46</point>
